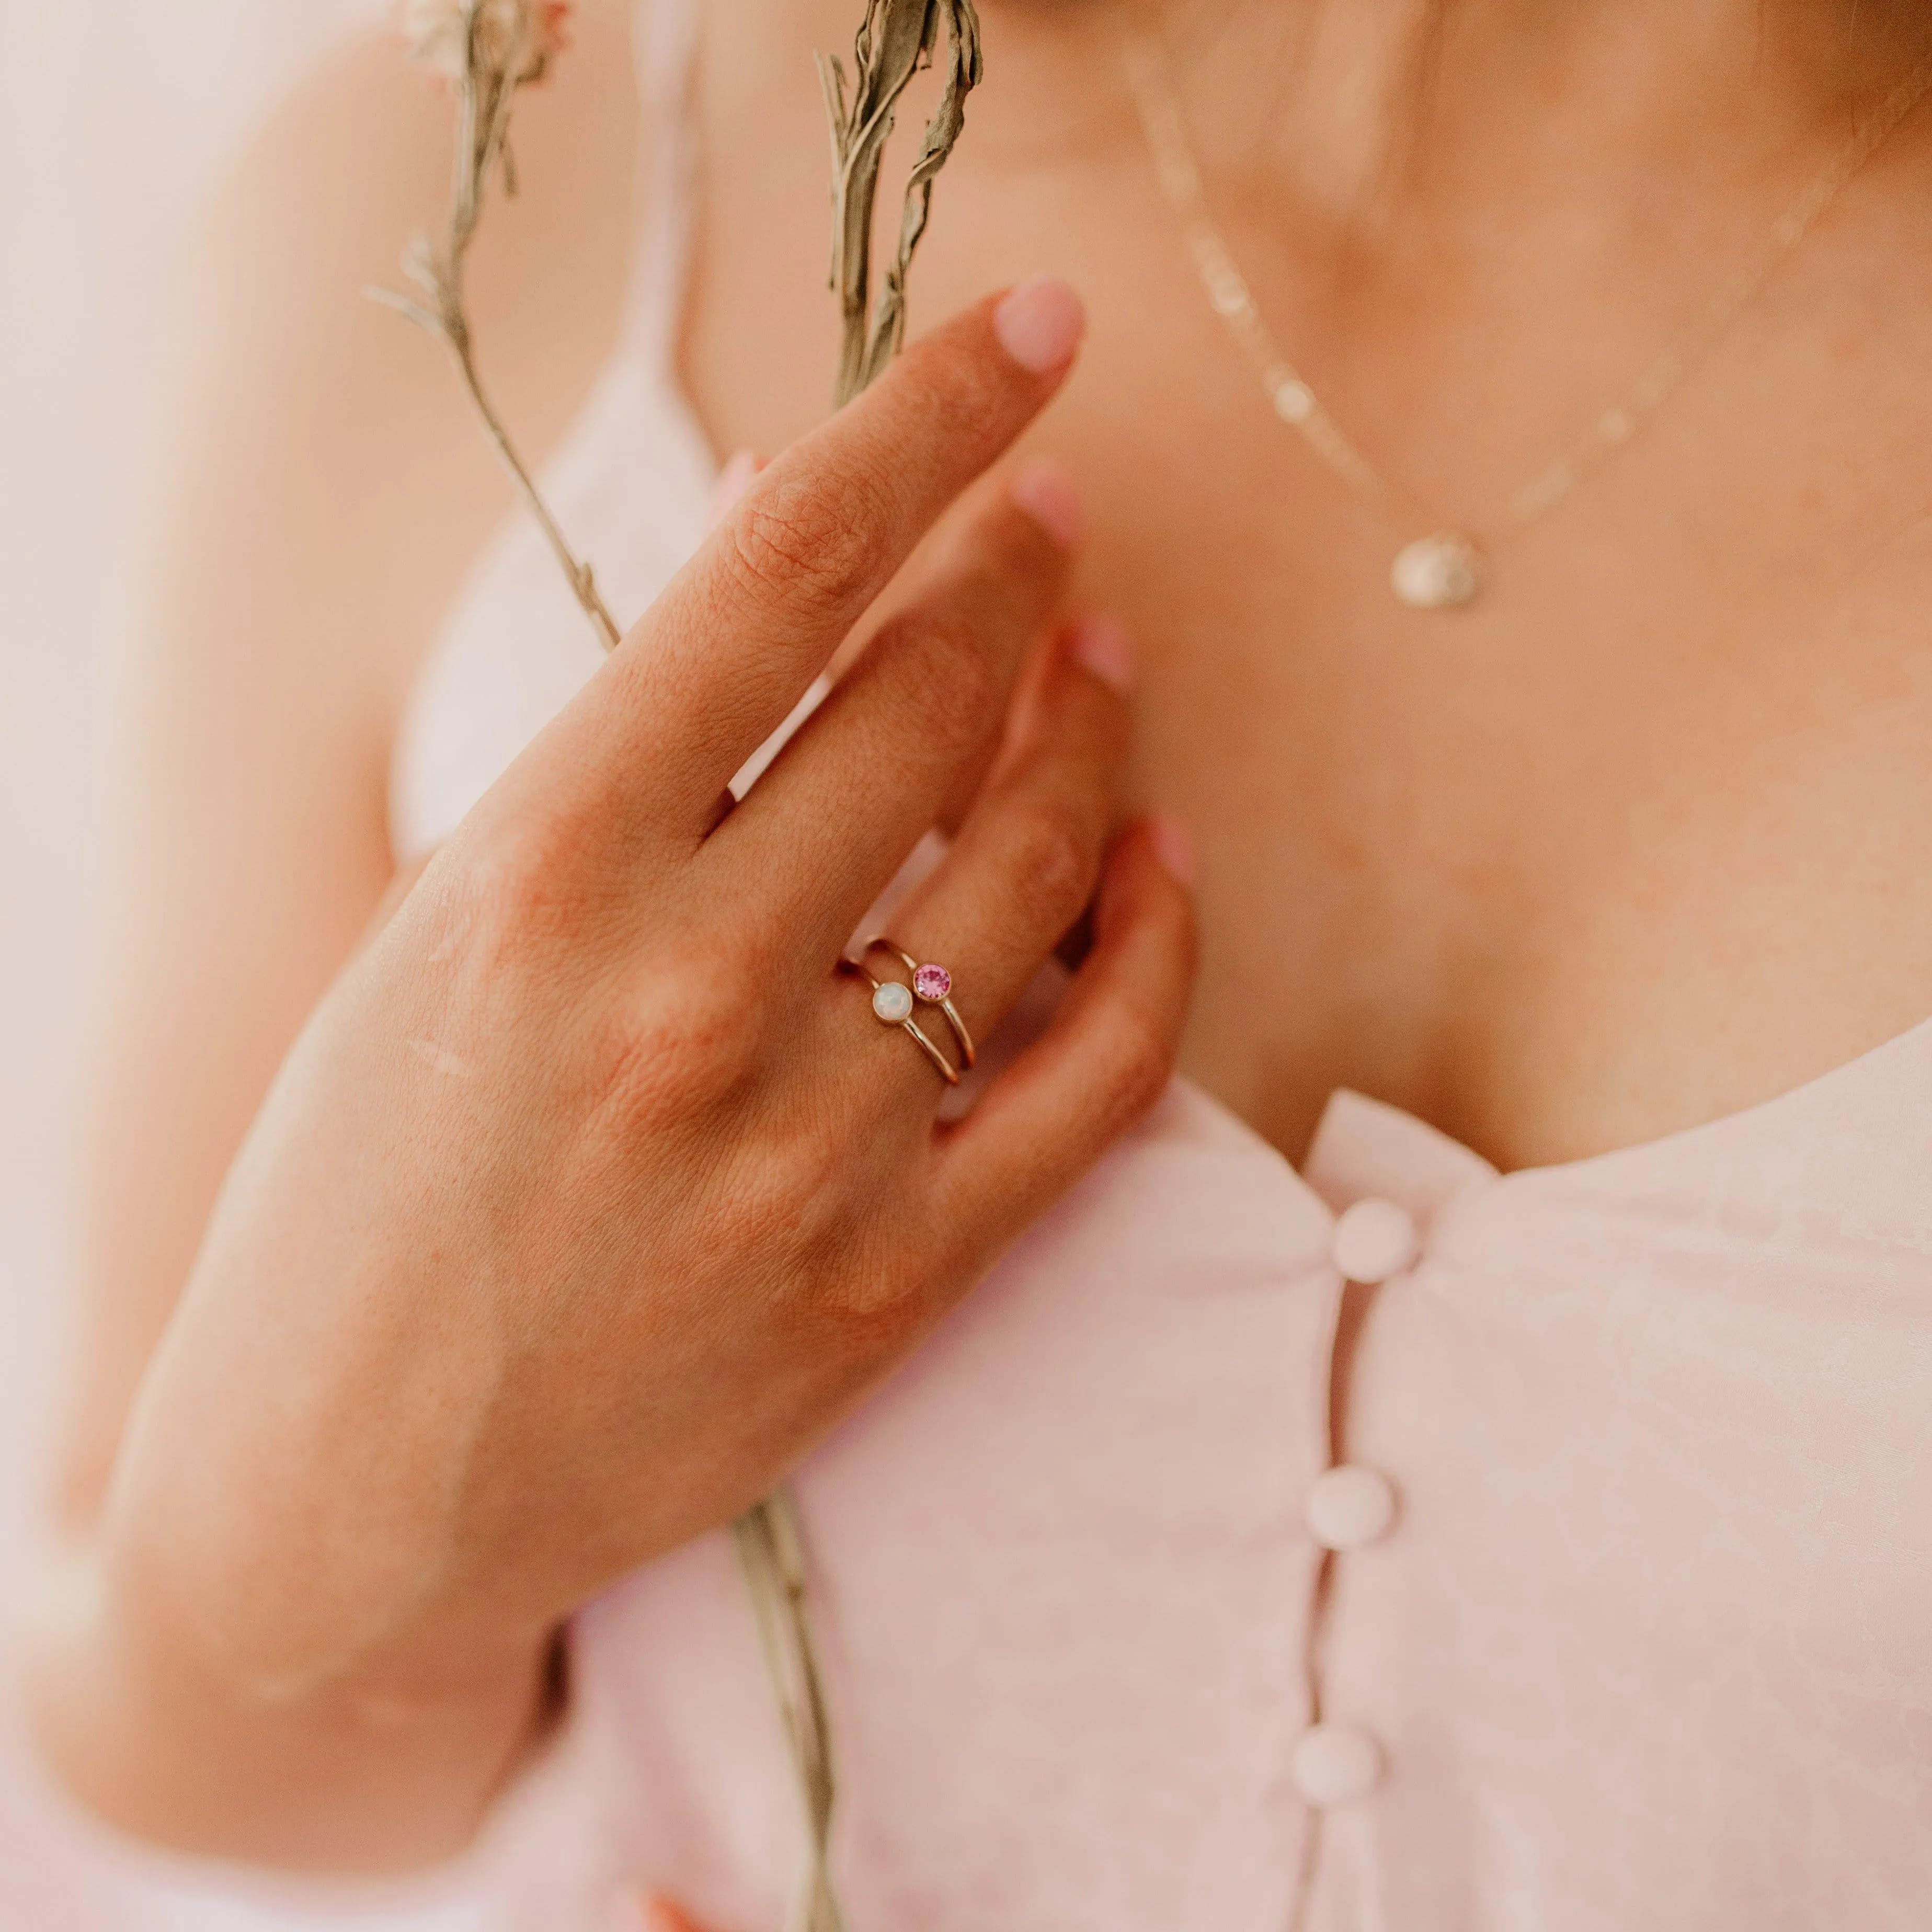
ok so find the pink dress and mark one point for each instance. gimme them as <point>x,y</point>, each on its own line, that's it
<point>1618,1615</point>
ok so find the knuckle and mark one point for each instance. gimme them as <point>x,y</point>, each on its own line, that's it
<point>686,1046</point>
<point>946,381</point>
<point>521,883</point>
<point>1137,1059</point>
<point>952,688</point>
<point>1052,864</point>
<point>858,1286</point>
<point>1016,559</point>
<point>1109,723</point>
<point>872,1301</point>
<point>793,1198</point>
<point>812,542</point>
<point>1176,925</point>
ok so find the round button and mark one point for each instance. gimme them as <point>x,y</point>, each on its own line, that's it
<point>1348,1506</point>
<point>1374,1239</point>
<point>1336,1764</point>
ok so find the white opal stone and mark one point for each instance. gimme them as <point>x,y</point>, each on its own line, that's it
<point>1336,1764</point>
<point>1437,573</point>
<point>1373,1240</point>
<point>893,1003</point>
<point>1349,1507</point>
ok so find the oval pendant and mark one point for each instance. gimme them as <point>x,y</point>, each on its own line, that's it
<point>1441,572</point>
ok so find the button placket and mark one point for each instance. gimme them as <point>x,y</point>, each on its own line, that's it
<point>1350,1506</point>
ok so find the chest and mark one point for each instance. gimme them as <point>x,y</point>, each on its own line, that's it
<point>1655,1441</point>
<point>1526,868</point>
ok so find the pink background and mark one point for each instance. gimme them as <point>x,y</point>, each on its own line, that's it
<point>113,113</point>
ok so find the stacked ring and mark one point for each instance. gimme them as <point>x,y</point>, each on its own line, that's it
<point>933,985</point>
<point>893,1003</point>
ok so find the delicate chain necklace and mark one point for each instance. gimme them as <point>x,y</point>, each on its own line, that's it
<point>1446,569</point>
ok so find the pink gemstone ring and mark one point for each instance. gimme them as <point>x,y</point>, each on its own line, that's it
<point>892,1004</point>
<point>932,984</point>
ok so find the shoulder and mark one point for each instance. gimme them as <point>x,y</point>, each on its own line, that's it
<point>322,428</point>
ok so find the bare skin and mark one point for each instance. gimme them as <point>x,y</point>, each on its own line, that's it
<point>1524,872</point>
<point>1635,843</point>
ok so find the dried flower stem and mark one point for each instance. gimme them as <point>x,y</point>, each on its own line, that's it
<point>895,40</point>
<point>493,66</point>
<point>771,1552</point>
<point>489,49</point>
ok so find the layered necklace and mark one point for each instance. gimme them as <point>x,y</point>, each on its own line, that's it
<point>1438,565</point>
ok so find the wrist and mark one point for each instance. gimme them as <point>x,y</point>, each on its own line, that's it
<point>380,1773</point>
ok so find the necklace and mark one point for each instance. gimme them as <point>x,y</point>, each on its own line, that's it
<point>1446,569</point>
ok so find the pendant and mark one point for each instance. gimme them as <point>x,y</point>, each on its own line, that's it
<point>1441,572</point>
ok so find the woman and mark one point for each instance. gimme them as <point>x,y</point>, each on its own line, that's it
<point>1517,1520</point>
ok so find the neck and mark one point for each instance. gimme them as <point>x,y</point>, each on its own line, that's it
<point>1362,111</point>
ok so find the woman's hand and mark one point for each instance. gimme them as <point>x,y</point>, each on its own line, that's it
<point>593,1192</point>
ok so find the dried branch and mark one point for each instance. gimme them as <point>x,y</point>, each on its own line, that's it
<point>487,49</point>
<point>771,1553</point>
<point>895,40</point>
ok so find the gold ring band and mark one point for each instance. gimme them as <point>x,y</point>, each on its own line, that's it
<point>893,1006</point>
<point>932,985</point>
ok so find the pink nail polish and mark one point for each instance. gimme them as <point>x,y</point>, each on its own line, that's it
<point>1040,324</point>
<point>1050,496</point>
<point>1172,847</point>
<point>1101,645</point>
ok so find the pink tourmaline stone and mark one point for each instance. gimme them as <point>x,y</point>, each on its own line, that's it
<point>932,983</point>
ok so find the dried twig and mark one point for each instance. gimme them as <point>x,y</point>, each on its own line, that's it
<point>771,1552</point>
<point>488,48</point>
<point>895,40</point>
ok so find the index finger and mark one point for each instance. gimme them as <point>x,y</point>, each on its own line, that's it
<point>717,662</point>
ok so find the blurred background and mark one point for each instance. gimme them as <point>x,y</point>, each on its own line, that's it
<point>113,115</point>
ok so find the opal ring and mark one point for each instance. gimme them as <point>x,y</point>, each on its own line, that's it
<point>932,985</point>
<point>892,1003</point>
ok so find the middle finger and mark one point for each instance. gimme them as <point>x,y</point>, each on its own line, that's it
<point>824,830</point>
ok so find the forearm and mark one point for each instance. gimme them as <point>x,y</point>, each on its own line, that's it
<point>265,1638</point>
<point>155,1737</point>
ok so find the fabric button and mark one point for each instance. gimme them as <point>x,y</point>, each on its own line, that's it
<point>1374,1239</point>
<point>1348,1506</point>
<point>1336,1764</point>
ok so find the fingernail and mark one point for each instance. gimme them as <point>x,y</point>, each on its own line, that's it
<point>733,480</point>
<point>1050,496</point>
<point>1172,847</point>
<point>1101,646</point>
<point>1039,324</point>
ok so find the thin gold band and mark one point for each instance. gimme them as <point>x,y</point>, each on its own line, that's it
<point>945,1006</point>
<point>948,1072</point>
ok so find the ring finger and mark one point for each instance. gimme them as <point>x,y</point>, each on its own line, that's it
<point>1026,859</point>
